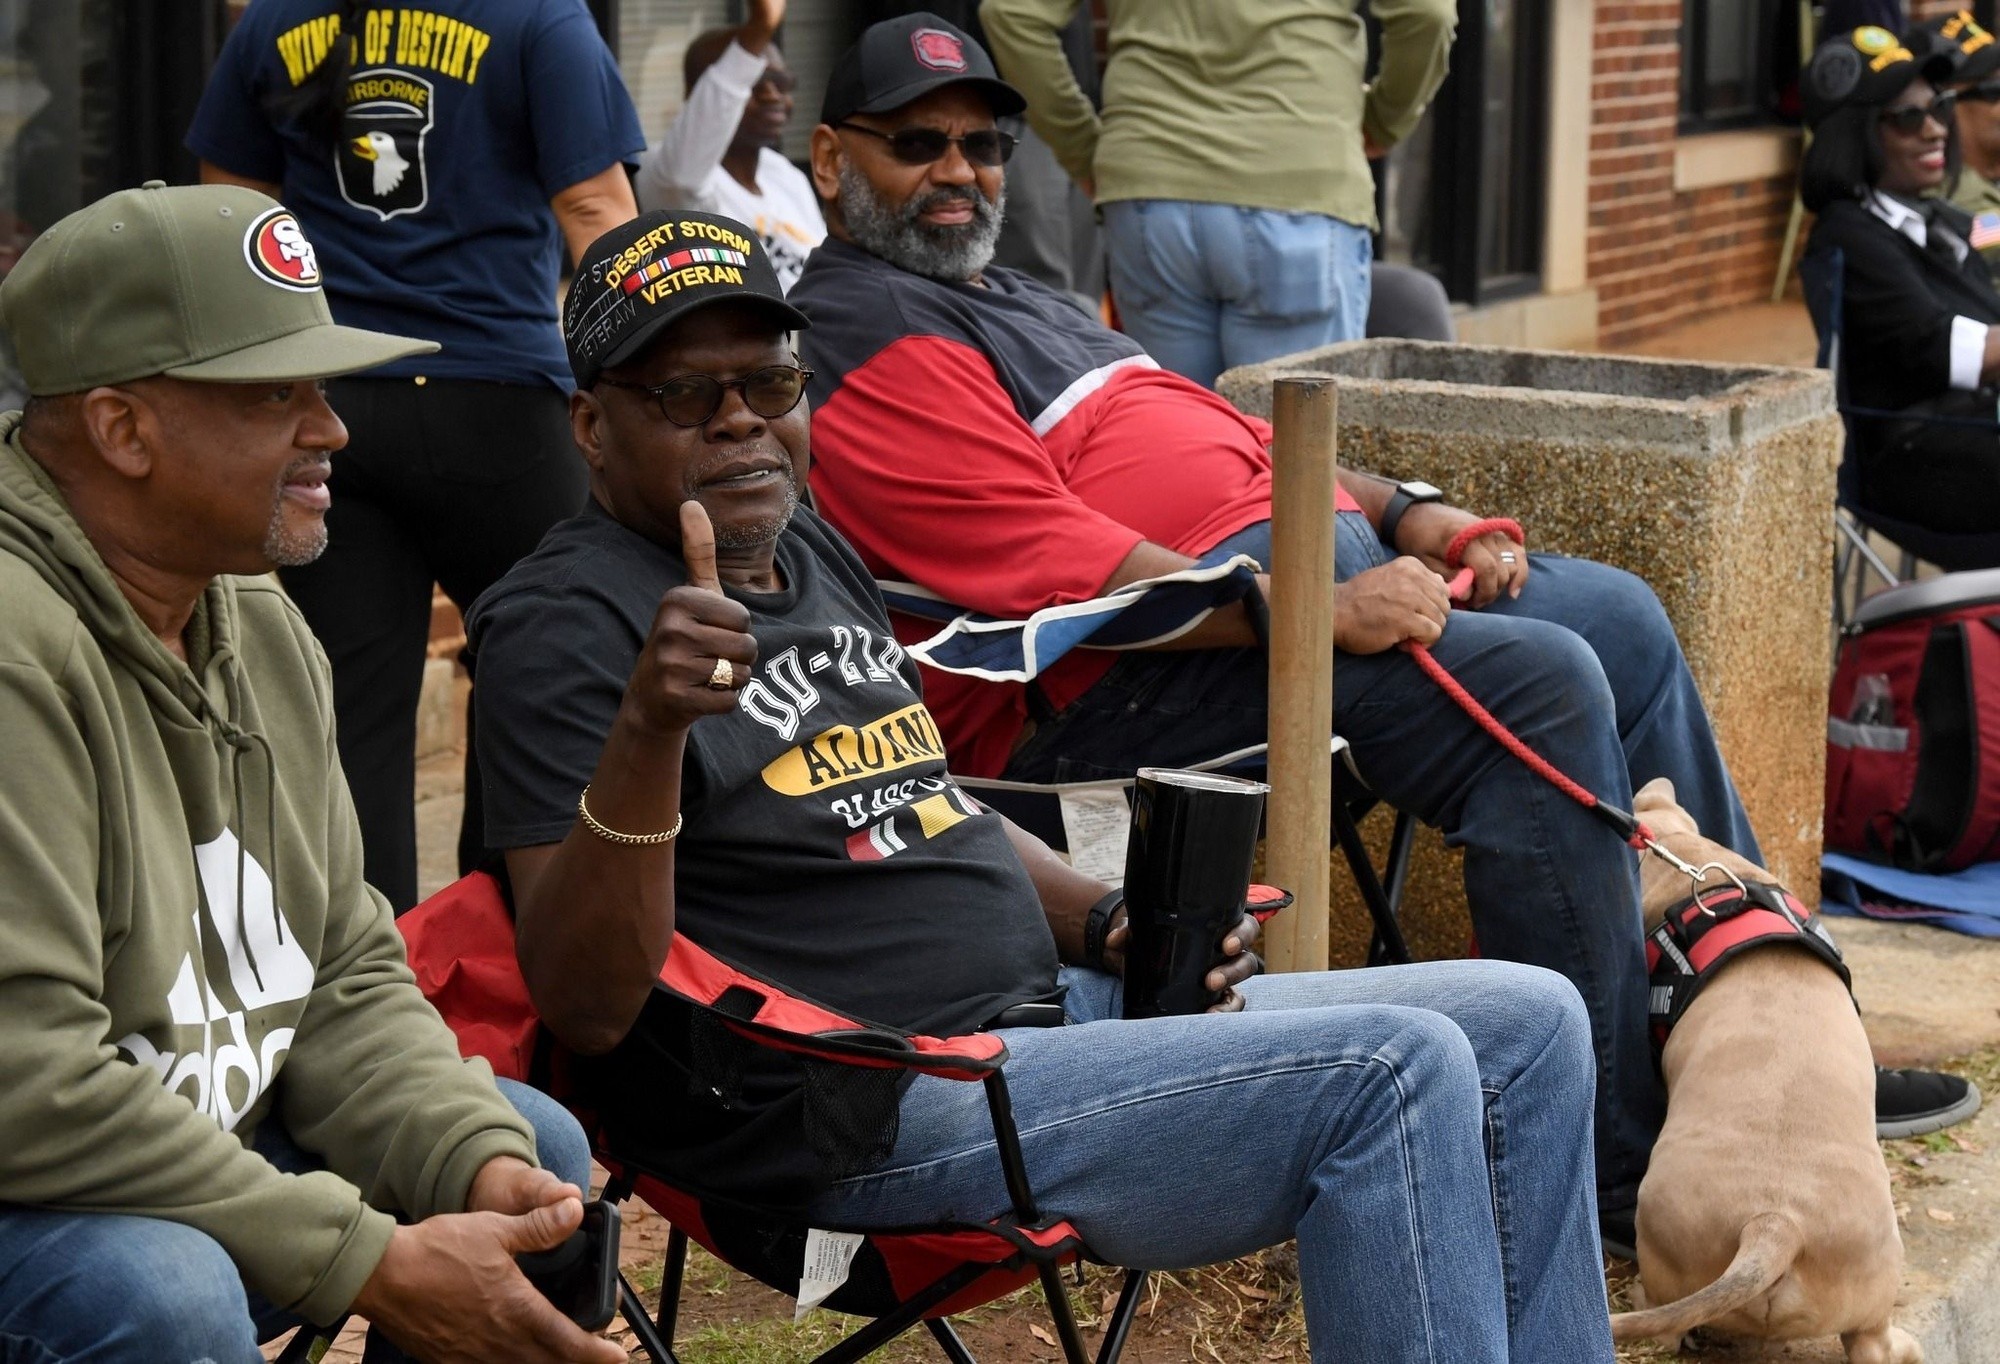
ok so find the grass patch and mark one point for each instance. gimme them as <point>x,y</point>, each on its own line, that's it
<point>772,1340</point>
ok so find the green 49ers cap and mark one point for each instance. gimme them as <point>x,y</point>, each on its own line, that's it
<point>214,283</point>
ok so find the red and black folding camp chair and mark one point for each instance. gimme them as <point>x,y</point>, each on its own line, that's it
<point>461,944</point>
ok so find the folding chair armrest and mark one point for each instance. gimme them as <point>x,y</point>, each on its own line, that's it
<point>1262,903</point>
<point>869,1047</point>
<point>766,1013</point>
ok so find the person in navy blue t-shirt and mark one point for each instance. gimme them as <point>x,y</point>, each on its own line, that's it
<point>440,158</point>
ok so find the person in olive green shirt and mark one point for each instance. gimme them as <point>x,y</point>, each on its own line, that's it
<point>1976,82</point>
<point>1231,158</point>
<point>222,1089</point>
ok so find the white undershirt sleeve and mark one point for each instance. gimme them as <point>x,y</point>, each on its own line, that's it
<point>673,171</point>
<point>1968,352</point>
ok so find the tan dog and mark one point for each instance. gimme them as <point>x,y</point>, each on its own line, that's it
<point>1766,1210</point>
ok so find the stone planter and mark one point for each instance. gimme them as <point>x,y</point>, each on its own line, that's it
<point>1714,483</point>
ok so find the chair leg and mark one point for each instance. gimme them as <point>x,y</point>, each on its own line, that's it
<point>671,1278</point>
<point>1065,1319</point>
<point>1120,1325</point>
<point>658,1347</point>
<point>884,1329</point>
<point>1786,252</point>
<point>948,1341</point>
<point>1388,946</point>
<point>1396,871</point>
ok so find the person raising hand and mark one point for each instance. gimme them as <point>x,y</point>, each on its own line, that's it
<point>721,153</point>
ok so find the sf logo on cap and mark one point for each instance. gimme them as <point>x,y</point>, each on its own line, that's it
<point>278,251</point>
<point>938,50</point>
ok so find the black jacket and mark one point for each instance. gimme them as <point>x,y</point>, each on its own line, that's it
<point>1899,300</point>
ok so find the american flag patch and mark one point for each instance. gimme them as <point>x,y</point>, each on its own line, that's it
<point>1985,231</point>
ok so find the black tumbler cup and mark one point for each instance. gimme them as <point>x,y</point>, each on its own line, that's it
<point>1187,867</point>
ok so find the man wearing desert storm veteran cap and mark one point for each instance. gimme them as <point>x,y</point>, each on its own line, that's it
<point>693,715</point>
<point>227,1109</point>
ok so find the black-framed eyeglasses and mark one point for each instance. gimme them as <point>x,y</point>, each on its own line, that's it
<point>1909,120</point>
<point>922,146</point>
<point>692,399</point>
<point>1986,92</point>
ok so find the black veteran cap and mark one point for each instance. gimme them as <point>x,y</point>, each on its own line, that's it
<point>211,283</point>
<point>640,276</point>
<point>1869,66</point>
<point>898,60</point>
<point>1973,53</point>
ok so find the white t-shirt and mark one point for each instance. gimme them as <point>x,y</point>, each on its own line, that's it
<point>684,170</point>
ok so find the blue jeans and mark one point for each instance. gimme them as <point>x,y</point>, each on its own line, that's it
<point>116,1289</point>
<point>1204,287</point>
<point>1585,667</point>
<point>1422,1130</point>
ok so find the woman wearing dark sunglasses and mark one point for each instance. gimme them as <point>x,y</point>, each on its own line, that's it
<point>1920,318</point>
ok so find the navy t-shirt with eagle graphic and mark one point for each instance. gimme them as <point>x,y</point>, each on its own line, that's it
<point>824,845</point>
<point>430,211</point>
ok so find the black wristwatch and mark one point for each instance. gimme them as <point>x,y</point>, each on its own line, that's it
<point>1406,496</point>
<point>1096,924</point>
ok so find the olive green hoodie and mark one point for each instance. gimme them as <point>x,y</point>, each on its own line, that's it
<point>157,998</point>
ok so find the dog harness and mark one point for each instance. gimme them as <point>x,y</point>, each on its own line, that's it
<point>1704,932</point>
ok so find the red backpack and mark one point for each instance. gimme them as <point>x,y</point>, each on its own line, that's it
<point>1913,726</point>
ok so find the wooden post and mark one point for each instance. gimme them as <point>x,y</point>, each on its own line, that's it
<point>1303,458</point>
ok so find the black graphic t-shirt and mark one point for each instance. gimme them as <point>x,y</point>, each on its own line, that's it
<point>824,845</point>
<point>461,120</point>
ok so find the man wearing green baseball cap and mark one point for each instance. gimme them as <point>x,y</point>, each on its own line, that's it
<point>228,1110</point>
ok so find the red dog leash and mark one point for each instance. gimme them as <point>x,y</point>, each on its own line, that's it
<point>1627,825</point>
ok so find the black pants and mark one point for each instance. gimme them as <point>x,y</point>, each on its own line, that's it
<point>449,481</point>
<point>1941,475</point>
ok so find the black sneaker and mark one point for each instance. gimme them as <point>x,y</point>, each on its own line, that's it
<point>1615,1233</point>
<point>1909,1103</point>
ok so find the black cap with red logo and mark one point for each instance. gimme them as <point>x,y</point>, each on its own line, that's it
<point>899,60</point>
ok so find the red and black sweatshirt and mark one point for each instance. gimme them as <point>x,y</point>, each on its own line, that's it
<point>996,445</point>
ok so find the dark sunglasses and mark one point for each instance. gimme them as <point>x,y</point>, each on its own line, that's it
<point>1986,92</point>
<point>922,146</point>
<point>1909,120</point>
<point>691,399</point>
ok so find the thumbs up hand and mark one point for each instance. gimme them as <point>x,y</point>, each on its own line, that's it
<point>700,650</point>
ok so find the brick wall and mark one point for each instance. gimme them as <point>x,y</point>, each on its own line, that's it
<point>1658,256</point>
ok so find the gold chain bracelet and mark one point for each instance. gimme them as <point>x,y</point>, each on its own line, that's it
<point>610,835</point>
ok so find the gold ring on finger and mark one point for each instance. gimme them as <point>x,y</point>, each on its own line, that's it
<point>724,676</point>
